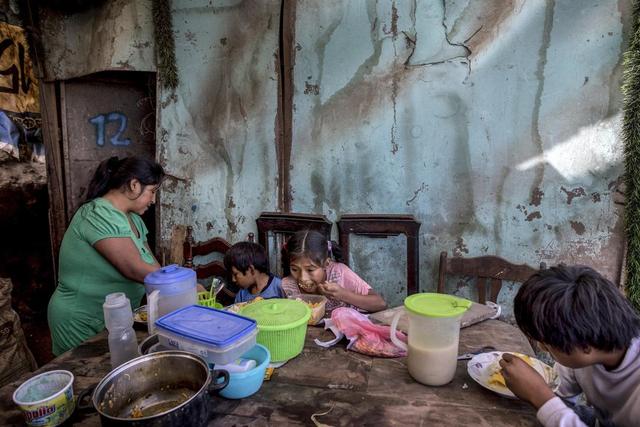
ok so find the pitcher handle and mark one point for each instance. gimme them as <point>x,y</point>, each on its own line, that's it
<point>152,311</point>
<point>394,330</point>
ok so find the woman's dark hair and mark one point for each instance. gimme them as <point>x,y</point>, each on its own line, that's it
<point>574,307</point>
<point>114,173</point>
<point>311,244</point>
<point>244,254</point>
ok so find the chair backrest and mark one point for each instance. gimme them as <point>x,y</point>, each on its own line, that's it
<point>214,268</point>
<point>383,226</point>
<point>287,223</point>
<point>490,271</point>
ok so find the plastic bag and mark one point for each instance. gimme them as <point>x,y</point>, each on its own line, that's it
<point>15,357</point>
<point>364,337</point>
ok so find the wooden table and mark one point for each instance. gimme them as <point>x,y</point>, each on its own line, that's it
<point>357,389</point>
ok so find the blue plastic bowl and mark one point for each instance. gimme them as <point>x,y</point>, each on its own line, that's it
<point>244,384</point>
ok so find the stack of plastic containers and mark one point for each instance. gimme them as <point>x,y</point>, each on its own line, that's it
<point>217,336</point>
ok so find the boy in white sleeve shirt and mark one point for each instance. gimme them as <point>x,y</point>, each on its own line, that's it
<point>593,333</point>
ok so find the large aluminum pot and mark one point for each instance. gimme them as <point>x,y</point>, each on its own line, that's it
<point>168,388</point>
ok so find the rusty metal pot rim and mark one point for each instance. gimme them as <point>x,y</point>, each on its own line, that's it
<point>113,375</point>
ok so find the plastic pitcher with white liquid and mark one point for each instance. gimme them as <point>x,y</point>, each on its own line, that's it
<point>433,336</point>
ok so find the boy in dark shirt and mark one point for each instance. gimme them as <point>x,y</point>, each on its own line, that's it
<point>248,266</point>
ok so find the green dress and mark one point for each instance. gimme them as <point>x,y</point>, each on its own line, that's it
<point>85,277</point>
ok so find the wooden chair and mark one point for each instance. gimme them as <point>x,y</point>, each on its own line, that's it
<point>287,223</point>
<point>213,268</point>
<point>383,226</point>
<point>490,271</point>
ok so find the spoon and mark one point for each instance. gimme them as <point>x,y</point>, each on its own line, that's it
<point>216,287</point>
<point>219,289</point>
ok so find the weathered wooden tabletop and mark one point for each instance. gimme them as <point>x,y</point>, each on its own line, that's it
<point>357,389</point>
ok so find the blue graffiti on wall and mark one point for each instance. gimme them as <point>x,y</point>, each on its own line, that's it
<point>101,120</point>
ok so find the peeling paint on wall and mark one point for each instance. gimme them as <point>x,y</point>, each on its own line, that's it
<point>578,227</point>
<point>115,35</point>
<point>494,123</point>
<point>219,125</point>
<point>572,194</point>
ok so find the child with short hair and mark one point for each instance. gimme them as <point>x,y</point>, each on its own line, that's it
<point>248,267</point>
<point>311,264</point>
<point>593,333</point>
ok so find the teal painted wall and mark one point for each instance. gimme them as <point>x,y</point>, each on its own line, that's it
<point>495,123</point>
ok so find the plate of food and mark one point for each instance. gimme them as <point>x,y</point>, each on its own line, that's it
<point>485,369</point>
<point>237,307</point>
<point>317,304</point>
<point>140,316</point>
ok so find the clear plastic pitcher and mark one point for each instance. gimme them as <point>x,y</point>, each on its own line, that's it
<point>168,289</point>
<point>433,336</point>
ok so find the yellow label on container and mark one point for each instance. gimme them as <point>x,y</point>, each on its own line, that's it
<point>51,413</point>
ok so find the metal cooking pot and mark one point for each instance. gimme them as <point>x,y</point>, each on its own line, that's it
<point>151,344</point>
<point>168,388</point>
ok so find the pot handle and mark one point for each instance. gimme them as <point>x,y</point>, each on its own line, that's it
<point>87,392</point>
<point>216,384</point>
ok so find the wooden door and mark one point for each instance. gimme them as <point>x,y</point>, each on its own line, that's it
<point>103,115</point>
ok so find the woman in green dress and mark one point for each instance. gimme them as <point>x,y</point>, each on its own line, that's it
<point>104,250</point>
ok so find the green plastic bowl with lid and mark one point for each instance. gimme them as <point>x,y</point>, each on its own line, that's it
<point>282,326</point>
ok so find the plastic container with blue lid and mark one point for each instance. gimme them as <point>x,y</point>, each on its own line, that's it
<point>215,335</point>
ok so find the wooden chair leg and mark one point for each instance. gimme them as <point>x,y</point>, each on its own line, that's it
<point>442,271</point>
<point>482,290</point>
<point>496,285</point>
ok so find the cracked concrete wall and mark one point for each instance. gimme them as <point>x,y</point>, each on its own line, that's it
<point>116,35</point>
<point>495,123</point>
<point>217,132</point>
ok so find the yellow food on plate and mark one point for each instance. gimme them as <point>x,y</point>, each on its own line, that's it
<point>311,305</point>
<point>496,379</point>
<point>140,316</point>
<point>235,308</point>
<point>317,308</point>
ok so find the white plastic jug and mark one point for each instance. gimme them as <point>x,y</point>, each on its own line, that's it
<point>434,331</point>
<point>118,319</point>
<point>168,289</point>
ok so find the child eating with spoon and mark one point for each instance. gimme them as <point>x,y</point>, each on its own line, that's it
<point>312,265</point>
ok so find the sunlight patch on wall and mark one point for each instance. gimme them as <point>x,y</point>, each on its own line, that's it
<point>588,153</point>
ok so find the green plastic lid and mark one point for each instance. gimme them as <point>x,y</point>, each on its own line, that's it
<point>436,305</point>
<point>277,314</point>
